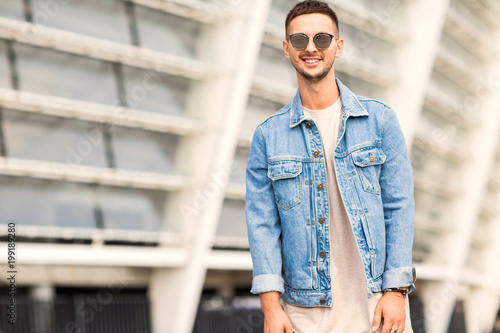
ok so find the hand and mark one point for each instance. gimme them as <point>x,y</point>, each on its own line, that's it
<point>392,308</point>
<point>275,319</point>
<point>277,322</point>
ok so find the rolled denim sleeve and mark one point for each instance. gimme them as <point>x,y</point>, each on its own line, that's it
<point>396,181</point>
<point>263,222</point>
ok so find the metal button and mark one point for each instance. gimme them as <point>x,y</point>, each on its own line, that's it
<point>372,158</point>
<point>322,254</point>
<point>320,186</point>
<point>321,220</point>
<point>322,301</point>
<point>316,154</point>
<point>308,125</point>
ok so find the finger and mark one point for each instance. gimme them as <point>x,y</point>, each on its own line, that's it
<point>401,328</point>
<point>387,326</point>
<point>396,327</point>
<point>288,329</point>
<point>376,318</point>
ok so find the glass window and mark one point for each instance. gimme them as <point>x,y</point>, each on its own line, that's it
<point>46,203</point>
<point>358,86</point>
<point>64,204</point>
<point>144,150</point>
<point>424,245</point>
<point>167,33</point>
<point>232,220</point>
<point>105,19</point>
<point>12,9</point>
<point>65,75</point>
<point>132,209</point>
<point>46,138</point>
<point>278,11</point>
<point>257,111</point>
<point>4,65</point>
<point>239,165</point>
<point>432,208</point>
<point>155,92</point>
<point>273,65</point>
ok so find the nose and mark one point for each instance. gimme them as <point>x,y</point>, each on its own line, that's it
<point>311,47</point>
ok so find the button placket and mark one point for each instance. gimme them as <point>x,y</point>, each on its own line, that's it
<point>322,236</point>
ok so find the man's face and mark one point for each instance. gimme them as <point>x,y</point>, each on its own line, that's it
<point>311,63</point>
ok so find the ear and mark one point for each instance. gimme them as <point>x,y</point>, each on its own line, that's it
<point>286,49</point>
<point>340,47</point>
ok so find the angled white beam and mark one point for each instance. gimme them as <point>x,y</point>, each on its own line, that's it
<point>272,91</point>
<point>229,260</point>
<point>362,19</point>
<point>487,10</point>
<point>438,227</point>
<point>103,49</point>
<point>194,10</point>
<point>223,101</point>
<point>367,70</point>
<point>468,35</point>
<point>245,138</point>
<point>92,255</point>
<point>98,236</point>
<point>448,108</point>
<point>452,67</point>
<point>231,242</point>
<point>482,319</point>
<point>450,154</point>
<point>425,183</point>
<point>235,191</point>
<point>415,59</point>
<point>92,175</point>
<point>94,112</point>
<point>78,276</point>
<point>467,207</point>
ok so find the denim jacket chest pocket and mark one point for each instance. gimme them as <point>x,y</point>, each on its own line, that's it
<point>285,175</point>
<point>368,162</point>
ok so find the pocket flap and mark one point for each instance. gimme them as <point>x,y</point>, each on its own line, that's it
<point>368,156</point>
<point>284,169</point>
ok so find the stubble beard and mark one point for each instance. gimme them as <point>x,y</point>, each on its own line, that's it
<point>313,78</point>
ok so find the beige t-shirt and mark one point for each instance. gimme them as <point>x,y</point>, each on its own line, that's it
<point>351,310</point>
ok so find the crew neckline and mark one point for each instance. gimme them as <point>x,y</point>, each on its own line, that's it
<point>327,112</point>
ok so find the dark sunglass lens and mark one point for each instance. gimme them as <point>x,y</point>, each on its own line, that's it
<point>322,41</point>
<point>299,41</point>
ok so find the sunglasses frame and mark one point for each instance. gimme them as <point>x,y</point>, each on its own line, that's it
<point>309,38</point>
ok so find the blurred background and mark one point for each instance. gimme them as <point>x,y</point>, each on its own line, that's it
<point>125,128</point>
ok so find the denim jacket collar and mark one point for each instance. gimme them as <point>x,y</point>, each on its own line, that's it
<point>350,105</point>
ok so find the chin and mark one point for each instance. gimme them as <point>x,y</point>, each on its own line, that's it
<point>313,77</point>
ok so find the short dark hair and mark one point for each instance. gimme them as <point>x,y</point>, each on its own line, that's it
<point>311,7</point>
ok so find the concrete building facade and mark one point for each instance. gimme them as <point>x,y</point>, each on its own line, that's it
<point>125,131</point>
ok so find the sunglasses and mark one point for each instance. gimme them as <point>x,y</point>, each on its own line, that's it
<point>321,40</point>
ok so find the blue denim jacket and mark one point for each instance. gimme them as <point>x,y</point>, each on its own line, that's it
<point>286,195</point>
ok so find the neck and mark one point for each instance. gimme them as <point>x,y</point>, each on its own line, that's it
<point>318,95</point>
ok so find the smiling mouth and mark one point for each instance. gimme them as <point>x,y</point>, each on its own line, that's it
<point>311,61</point>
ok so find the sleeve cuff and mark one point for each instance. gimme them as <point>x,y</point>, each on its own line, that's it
<point>399,278</point>
<point>267,282</point>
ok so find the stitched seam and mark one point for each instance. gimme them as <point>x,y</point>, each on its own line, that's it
<point>262,134</point>
<point>278,113</point>
<point>384,121</point>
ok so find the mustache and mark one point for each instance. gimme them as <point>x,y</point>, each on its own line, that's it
<point>311,55</point>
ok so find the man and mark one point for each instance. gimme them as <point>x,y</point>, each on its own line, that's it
<point>329,198</point>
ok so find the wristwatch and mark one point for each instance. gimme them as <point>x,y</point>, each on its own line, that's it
<point>404,292</point>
